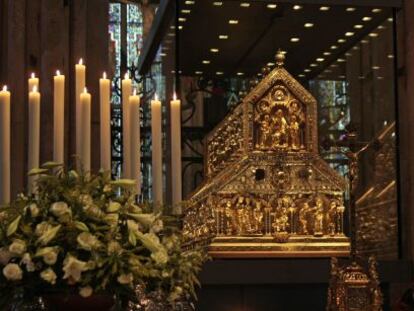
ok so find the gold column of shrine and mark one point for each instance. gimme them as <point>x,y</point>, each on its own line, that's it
<point>267,191</point>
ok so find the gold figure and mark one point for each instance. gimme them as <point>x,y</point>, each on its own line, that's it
<point>280,130</point>
<point>231,224</point>
<point>331,218</point>
<point>303,218</point>
<point>258,217</point>
<point>294,131</point>
<point>318,218</point>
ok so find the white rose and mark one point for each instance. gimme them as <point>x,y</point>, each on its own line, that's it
<point>157,226</point>
<point>125,278</point>
<point>73,268</point>
<point>34,210</point>
<point>93,211</point>
<point>50,258</point>
<point>27,261</point>
<point>42,228</point>
<point>112,219</point>
<point>13,272</point>
<point>18,247</point>
<point>49,276</point>
<point>59,209</point>
<point>5,256</point>
<point>62,211</point>
<point>114,247</point>
<point>86,292</point>
<point>85,199</point>
<point>87,241</point>
<point>160,257</point>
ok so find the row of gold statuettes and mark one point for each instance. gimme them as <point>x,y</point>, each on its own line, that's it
<point>252,216</point>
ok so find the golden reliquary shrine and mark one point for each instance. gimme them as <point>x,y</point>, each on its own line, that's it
<point>267,191</point>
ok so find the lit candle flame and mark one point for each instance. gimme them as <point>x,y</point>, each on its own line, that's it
<point>34,90</point>
<point>175,96</point>
<point>85,90</point>
<point>5,88</point>
<point>135,92</point>
<point>33,75</point>
<point>126,75</point>
<point>156,97</point>
<point>58,72</point>
<point>81,61</point>
<point>104,75</point>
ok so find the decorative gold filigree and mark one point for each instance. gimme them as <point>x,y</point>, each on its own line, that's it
<point>224,144</point>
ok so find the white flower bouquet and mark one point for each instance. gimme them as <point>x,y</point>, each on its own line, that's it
<point>85,234</point>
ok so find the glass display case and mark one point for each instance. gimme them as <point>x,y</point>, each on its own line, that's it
<point>211,53</point>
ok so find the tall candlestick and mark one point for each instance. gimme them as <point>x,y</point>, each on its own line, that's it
<point>126,130</point>
<point>33,82</point>
<point>59,118</point>
<point>105,110</point>
<point>80,73</point>
<point>134,113</point>
<point>4,146</point>
<point>85,146</point>
<point>176,155</point>
<point>156,138</point>
<point>34,134</point>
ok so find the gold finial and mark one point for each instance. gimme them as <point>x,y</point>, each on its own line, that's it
<point>280,58</point>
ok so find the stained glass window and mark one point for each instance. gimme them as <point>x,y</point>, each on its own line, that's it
<point>125,45</point>
<point>334,116</point>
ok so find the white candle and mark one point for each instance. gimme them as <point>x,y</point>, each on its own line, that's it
<point>126,130</point>
<point>33,82</point>
<point>59,118</point>
<point>176,155</point>
<point>4,146</point>
<point>135,139</point>
<point>80,76</point>
<point>105,123</point>
<point>34,134</point>
<point>156,138</point>
<point>85,146</point>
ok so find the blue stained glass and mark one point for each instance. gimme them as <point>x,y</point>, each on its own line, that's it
<point>134,34</point>
<point>119,24</point>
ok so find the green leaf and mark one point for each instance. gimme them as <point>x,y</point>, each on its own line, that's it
<point>132,238</point>
<point>145,219</point>
<point>81,226</point>
<point>43,251</point>
<point>49,235</point>
<point>11,229</point>
<point>37,171</point>
<point>124,182</point>
<point>73,174</point>
<point>113,207</point>
<point>51,164</point>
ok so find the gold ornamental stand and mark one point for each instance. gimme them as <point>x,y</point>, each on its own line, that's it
<point>353,287</point>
